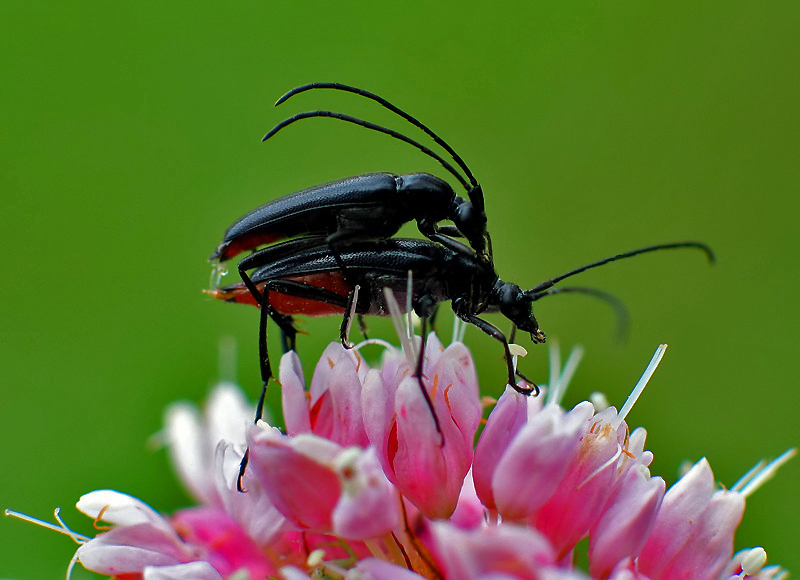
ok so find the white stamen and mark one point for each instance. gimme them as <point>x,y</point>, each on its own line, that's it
<point>599,401</point>
<point>71,566</point>
<point>61,529</point>
<point>566,374</point>
<point>379,341</point>
<point>555,369</point>
<point>637,390</point>
<point>516,351</point>
<point>753,561</point>
<point>462,331</point>
<point>456,329</point>
<point>600,469</point>
<point>316,558</point>
<point>749,475</point>
<point>767,472</point>
<point>402,333</point>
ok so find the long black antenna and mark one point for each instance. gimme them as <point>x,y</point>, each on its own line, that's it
<point>613,301</point>
<point>386,104</point>
<point>549,283</point>
<point>373,127</point>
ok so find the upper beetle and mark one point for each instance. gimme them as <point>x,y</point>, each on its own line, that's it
<point>369,206</point>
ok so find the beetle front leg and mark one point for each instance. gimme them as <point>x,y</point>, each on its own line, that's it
<point>420,363</point>
<point>495,333</point>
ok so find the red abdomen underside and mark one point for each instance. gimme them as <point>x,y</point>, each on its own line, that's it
<point>290,304</point>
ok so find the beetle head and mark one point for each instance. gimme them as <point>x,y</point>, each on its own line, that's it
<point>517,306</point>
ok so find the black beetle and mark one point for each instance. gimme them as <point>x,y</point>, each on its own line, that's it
<point>369,206</point>
<point>304,276</point>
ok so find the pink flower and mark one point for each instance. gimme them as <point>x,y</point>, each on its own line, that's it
<point>514,551</point>
<point>365,487</point>
<point>332,406</point>
<point>427,466</point>
<point>141,539</point>
<point>322,486</point>
<point>626,520</point>
<point>192,438</point>
<point>536,460</point>
<point>692,515</point>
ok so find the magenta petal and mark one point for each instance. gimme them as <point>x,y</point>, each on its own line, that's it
<point>476,554</point>
<point>454,372</point>
<point>535,462</point>
<point>429,473</point>
<point>296,474</point>
<point>682,505</point>
<point>583,492</point>
<point>336,397</point>
<point>378,410</point>
<point>709,546</point>
<point>188,571</point>
<point>622,529</point>
<point>228,547</point>
<point>253,510</point>
<point>470,512</point>
<point>129,549</point>
<point>369,504</point>
<point>506,419</point>
<point>293,395</point>
<point>374,569</point>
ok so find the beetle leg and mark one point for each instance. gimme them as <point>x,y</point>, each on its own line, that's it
<point>420,362</point>
<point>451,244</point>
<point>285,323</point>
<point>450,231</point>
<point>266,369</point>
<point>495,333</point>
<point>347,319</point>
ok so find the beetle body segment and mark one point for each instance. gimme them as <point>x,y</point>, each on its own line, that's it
<point>369,206</point>
<point>437,274</point>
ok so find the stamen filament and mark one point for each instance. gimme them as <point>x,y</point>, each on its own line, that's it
<point>749,475</point>
<point>402,333</point>
<point>637,390</point>
<point>61,529</point>
<point>565,376</point>
<point>768,472</point>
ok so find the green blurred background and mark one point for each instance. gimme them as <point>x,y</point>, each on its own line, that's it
<point>129,139</point>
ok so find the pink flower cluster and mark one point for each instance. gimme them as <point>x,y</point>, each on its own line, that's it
<point>362,485</point>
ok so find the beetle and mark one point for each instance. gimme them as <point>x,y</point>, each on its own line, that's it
<point>303,276</point>
<point>369,206</point>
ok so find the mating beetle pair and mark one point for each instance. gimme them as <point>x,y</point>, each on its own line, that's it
<point>343,242</point>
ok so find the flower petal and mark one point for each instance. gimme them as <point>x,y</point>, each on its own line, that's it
<point>188,571</point>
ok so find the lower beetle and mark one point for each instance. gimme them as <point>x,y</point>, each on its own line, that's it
<point>303,276</point>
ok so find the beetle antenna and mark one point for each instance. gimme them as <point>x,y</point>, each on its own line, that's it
<point>549,283</point>
<point>373,127</point>
<point>613,301</point>
<point>393,108</point>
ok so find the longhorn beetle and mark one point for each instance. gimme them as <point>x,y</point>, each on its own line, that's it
<point>369,206</point>
<point>303,276</point>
